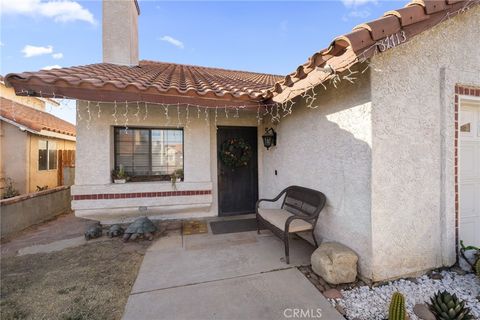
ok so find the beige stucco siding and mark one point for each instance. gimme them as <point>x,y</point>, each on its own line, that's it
<point>14,155</point>
<point>32,102</point>
<point>329,149</point>
<point>413,213</point>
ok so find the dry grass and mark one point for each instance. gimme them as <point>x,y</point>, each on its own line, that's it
<point>92,281</point>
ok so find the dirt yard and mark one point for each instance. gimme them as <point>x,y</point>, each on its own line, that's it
<point>91,281</point>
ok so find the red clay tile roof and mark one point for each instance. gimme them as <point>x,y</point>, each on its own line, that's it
<point>174,83</point>
<point>149,79</point>
<point>364,41</point>
<point>34,119</point>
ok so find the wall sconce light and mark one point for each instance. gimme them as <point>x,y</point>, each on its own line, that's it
<point>269,138</point>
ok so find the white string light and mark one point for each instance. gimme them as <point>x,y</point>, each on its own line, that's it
<point>146,112</point>
<point>179,122</point>
<point>89,115</point>
<point>125,115</point>
<point>167,117</point>
<point>137,114</point>
<point>114,115</point>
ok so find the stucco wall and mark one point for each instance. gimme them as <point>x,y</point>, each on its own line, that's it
<point>14,155</point>
<point>413,213</point>
<point>95,160</point>
<point>23,211</point>
<point>329,149</point>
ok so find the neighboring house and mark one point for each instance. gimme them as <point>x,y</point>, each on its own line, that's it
<point>31,140</point>
<point>372,121</point>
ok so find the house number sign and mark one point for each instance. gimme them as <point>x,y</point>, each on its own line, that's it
<point>392,41</point>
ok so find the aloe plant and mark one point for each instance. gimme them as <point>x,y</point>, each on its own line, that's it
<point>448,307</point>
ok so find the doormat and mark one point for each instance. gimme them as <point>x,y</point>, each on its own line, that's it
<point>233,226</point>
<point>194,227</point>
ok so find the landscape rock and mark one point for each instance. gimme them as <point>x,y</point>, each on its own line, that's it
<point>335,263</point>
<point>422,311</point>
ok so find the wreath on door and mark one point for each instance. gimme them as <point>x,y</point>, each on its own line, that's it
<point>235,153</point>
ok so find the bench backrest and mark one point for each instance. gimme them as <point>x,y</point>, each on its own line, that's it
<point>303,201</point>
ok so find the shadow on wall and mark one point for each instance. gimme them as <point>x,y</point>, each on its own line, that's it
<point>329,149</point>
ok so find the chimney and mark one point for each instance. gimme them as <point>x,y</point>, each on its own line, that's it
<point>120,32</point>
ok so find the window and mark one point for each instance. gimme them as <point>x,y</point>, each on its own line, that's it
<point>47,155</point>
<point>149,154</point>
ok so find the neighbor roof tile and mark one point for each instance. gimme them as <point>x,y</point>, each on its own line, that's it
<point>34,119</point>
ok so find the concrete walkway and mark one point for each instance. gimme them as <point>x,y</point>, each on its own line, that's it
<point>230,276</point>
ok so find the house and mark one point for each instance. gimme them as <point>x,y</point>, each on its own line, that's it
<point>31,141</point>
<point>384,121</point>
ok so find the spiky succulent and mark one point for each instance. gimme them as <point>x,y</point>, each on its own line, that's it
<point>397,309</point>
<point>448,307</point>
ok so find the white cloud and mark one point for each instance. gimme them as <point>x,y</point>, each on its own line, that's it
<point>1,44</point>
<point>55,66</point>
<point>32,51</point>
<point>356,3</point>
<point>356,14</point>
<point>177,43</point>
<point>59,11</point>
<point>57,55</point>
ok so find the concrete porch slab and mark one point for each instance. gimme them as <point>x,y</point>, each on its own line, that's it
<point>269,295</point>
<point>203,258</point>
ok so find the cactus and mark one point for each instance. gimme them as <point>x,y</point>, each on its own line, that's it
<point>397,309</point>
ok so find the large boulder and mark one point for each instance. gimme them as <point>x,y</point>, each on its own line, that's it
<point>335,263</point>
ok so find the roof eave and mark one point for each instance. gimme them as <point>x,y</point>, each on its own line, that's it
<point>34,87</point>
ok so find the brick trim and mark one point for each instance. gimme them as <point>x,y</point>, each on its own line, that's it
<point>464,91</point>
<point>133,195</point>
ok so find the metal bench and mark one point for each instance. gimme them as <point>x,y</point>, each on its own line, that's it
<point>299,212</point>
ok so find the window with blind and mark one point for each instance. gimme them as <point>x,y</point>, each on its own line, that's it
<point>148,153</point>
<point>47,155</point>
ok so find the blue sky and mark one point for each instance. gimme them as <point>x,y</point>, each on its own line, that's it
<point>269,36</point>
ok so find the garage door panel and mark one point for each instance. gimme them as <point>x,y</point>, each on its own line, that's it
<point>468,199</point>
<point>468,160</point>
<point>469,173</point>
<point>469,231</point>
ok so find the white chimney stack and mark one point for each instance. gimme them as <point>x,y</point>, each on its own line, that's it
<point>120,32</point>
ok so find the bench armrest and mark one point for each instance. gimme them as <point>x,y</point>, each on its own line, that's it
<point>271,200</point>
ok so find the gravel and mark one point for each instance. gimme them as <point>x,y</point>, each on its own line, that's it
<point>365,303</point>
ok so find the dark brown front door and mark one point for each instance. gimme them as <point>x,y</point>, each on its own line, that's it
<point>237,187</point>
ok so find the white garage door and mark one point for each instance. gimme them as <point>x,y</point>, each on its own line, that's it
<point>469,172</point>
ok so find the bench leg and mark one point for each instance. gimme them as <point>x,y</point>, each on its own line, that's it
<point>258,224</point>
<point>314,239</point>
<point>287,248</point>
